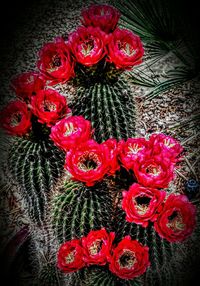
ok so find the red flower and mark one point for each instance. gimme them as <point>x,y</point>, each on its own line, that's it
<point>142,204</point>
<point>111,144</point>
<point>166,144</point>
<point>177,219</point>
<point>97,246</point>
<point>103,16</point>
<point>129,259</point>
<point>87,45</point>
<point>70,132</point>
<point>70,256</point>
<point>16,118</point>
<point>55,62</point>
<point>153,171</point>
<point>89,162</point>
<point>125,49</point>
<point>49,106</point>
<point>132,149</point>
<point>27,84</point>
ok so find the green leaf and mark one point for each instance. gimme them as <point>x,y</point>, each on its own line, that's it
<point>176,77</point>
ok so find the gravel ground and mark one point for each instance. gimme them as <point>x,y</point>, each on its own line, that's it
<point>165,113</point>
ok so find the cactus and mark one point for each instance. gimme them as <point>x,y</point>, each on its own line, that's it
<point>109,106</point>
<point>76,209</point>
<point>73,208</point>
<point>160,250</point>
<point>49,276</point>
<point>95,276</point>
<point>103,277</point>
<point>35,166</point>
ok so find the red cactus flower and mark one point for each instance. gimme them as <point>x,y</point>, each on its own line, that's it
<point>166,144</point>
<point>142,204</point>
<point>55,62</point>
<point>130,150</point>
<point>70,132</point>
<point>176,221</point>
<point>27,84</point>
<point>154,171</point>
<point>103,16</point>
<point>97,246</point>
<point>16,118</point>
<point>89,162</point>
<point>49,106</point>
<point>129,259</point>
<point>111,144</point>
<point>87,45</point>
<point>70,256</point>
<point>124,49</point>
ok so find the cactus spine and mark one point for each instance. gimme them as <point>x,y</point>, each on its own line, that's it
<point>110,108</point>
<point>36,167</point>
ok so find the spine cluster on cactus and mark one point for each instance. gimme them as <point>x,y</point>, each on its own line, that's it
<point>76,209</point>
<point>110,108</point>
<point>49,275</point>
<point>35,166</point>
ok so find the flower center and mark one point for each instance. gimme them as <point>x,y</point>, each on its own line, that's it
<point>70,257</point>
<point>127,260</point>
<point>101,12</point>
<point>126,48</point>
<point>95,247</point>
<point>88,161</point>
<point>168,143</point>
<point>48,106</point>
<point>15,119</point>
<point>56,61</point>
<point>104,12</point>
<point>69,129</point>
<point>142,204</point>
<point>87,47</point>
<point>153,170</point>
<point>134,148</point>
<point>175,222</point>
<point>30,79</point>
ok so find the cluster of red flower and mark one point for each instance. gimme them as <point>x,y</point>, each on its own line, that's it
<point>152,162</point>
<point>173,215</point>
<point>47,105</point>
<point>127,259</point>
<point>99,38</point>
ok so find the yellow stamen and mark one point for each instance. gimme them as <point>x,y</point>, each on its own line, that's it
<point>127,259</point>
<point>69,129</point>
<point>167,143</point>
<point>134,148</point>
<point>96,247</point>
<point>70,257</point>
